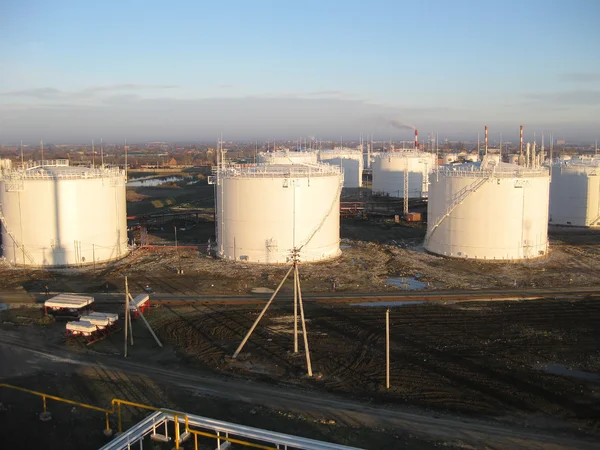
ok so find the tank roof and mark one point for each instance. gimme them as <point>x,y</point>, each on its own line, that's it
<point>339,151</point>
<point>582,162</point>
<point>488,167</point>
<point>278,170</point>
<point>408,153</point>
<point>59,170</point>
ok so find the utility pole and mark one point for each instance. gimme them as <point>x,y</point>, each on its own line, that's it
<point>295,311</point>
<point>387,349</point>
<point>179,271</point>
<point>126,314</point>
<point>405,187</point>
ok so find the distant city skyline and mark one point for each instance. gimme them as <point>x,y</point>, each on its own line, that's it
<point>143,71</point>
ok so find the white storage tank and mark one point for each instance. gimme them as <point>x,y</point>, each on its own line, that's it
<point>450,158</point>
<point>389,169</point>
<point>368,158</point>
<point>288,157</point>
<point>56,215</point>
<point>575,193</point>
<point>471,157</point>
<point>488,211</point>
<point>265,211</point>
<point>513,158</point>
<point>350,160</point>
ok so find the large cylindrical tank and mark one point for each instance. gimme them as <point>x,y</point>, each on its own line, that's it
<point>265,211</point>
<point>575,193</point>
<point>389,169</point>
<point>350,160</point>
<point>289,157</point>
<point>488,212</point>
<point>450,158</point>
<point>368,158</point>
<point>5,164</point>
<point>56,215</point>
<point>513,158</point>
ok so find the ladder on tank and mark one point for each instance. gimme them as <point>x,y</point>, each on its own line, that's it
<point>12,236</point>
<point>458,199</point>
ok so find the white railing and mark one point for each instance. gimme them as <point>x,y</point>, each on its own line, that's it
<point>276,171</point>
<point>496,173</point>
<point>405,153</point>
<point>46,173</point>
<point>46,162</point>
<point>158,421</point>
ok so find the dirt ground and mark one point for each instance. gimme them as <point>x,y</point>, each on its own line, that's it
<point>477,358</point>
<point>75,427</point>
<point>364,266</point>
<point>528,362</point>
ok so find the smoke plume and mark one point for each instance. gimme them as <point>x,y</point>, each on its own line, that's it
<point>400,125</point>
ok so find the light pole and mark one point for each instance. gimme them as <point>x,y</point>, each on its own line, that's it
<point>177,251</point>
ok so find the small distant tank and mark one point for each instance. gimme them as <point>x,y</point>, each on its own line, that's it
<point>389,169</point>
<point>286,157</point>
<point>575,193</point>
<point>350,160</point>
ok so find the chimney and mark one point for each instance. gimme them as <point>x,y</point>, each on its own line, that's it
<point>486,139</point>
<point>416,139</point>
<point>521,139</point>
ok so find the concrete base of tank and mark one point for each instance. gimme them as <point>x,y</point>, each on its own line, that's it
<point>258,263</point>
<point>85,264</point>
<point>492,260</point>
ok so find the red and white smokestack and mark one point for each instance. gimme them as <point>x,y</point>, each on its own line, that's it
<point>486,139</point>
<point>521,139</point>
<point>416,139</point>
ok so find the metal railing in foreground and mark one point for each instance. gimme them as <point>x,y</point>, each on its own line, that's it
<point>196,426</point>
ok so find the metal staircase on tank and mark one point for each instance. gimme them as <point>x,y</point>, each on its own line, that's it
<point>458,199</point>
<point>12,236</point>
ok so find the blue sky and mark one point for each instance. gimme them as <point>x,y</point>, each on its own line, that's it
<point>189,70</point>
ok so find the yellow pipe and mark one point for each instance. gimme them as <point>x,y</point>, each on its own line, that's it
<point>120,428</point>
<point>58,399</point>
<point>116,404</point>
<point>176,420</point>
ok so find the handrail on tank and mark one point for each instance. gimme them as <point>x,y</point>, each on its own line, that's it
<point>38,173</point>
<point>494,172</point>
<point>276,171</point>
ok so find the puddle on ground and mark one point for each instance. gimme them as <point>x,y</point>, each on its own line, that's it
<point>262,290</point>
<point>560,369</point>
<point>3,306</point>
<point>388,304</point>
<point>407,283</point>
